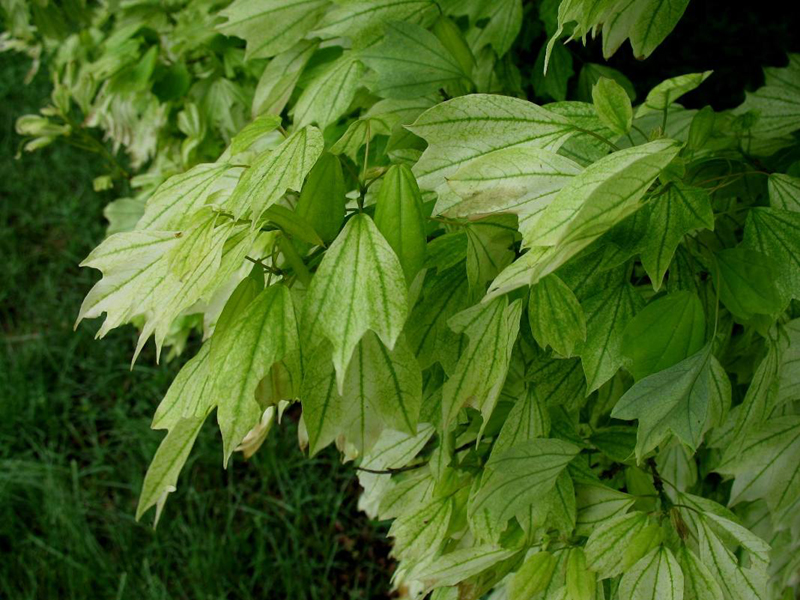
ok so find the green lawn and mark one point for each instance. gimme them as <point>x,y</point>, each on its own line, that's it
<point>75,439</point>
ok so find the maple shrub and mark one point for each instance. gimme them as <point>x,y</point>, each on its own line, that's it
<point>560,342</point>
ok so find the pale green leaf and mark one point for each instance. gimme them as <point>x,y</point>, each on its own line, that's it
<point>591,73</point>
<point>489,250</point>
<point>505,21</point>
<point>532,577</point>
<point>784,192</point>
<point>363,21</point>
<point>263,334</point>
<point>657,18</point>
<point>698,582</point>
<point>613,105</point>
<point>465,128</point>
<point>253,131</point>
<point>667,92</point>
<point>122,214</point>
<point>358,286</point>
<point>597,505</point>
<point>556,317</point>
<point>528,420</point>
<point>777,104</point>
<point>188,394</point>
<point>430,337</point>
<point>162,475</point>
<point>603,548</point>
<point>737,582</point>
<point>180,196</point>
<point>657,576</point>
<point>328,96</point>
<point>673,214</point>
<point>271,26</point>
<point>673,400</point>
<point>454,567</point>
<point>422,531</point>
<point>279,79</point>
<point>765,464</point>
<point>519,477</point>
<point>663,333</point>
<point>273,172</point>
<point>411,62</point>
<point>602,195</point>
<point>517,180</point>
<point>481,371</point>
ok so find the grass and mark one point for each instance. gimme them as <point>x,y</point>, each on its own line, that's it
<point>75,439</point>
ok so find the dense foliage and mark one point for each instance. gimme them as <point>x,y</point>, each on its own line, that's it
<point>561,341</point>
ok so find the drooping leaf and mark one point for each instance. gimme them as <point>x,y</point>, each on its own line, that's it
<point>322,199</point>
<point>520,476</point>
<point>264,333</point>
<point>399,217</point>
<point>382,389</point>
<point>481,371</point>
<point>273,26</point>
<point>359,286</point>
<point>664,333</point>
<point>327,96</point>
<point>411,62</point>
<point>673,214</point>
<point>556,316</point>
<point>657,576</point>
<point>273,172</point>
<point>162,475</point>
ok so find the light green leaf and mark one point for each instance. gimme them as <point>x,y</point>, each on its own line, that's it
<point>673,214</point>
<point>657,18</point>
<point>673,400</point>
<point>322,199</point>
<point>358,286</point>
<point>188,394</point>
<point>666,331</point>
<point>259,127</point>
<point>519,477</point>
<point>181,196</point>
<point>776,234</point>
<point>777,104</point>
<point>422,531</point>
<point>532,577</point>
<point>481,371</point>
<point>765,464</point>
<point>555,315</point>
<point>489,249</point>
<point>657,576</point>
<point>667,92</point>
<point>429,335</point>
<point>613,105</point>
<point>591,73</point>
<point>581,582</point>
<point>122,214</point>
<point>517,180</point>
<point>784,192</point>
<point>328,96</point>
<point>602,195</point>
<point>270,26</point>
<point>748,282</point>
<point>608,306</point>
<point>162,475</point>
<point>737,582</point>
<point>597,505</point>
<point>363,21</point>
<point>528,420</point>
<point>382,389</point>
<point>411,62</point>
<point>465,128</point>
<point>263,334</point>
<point>399,217</point>
<point>454,567</point>
<point>553,81</point>
<point>699,583</point>
<point>505,21</point>
<point>279,79</point>
<point>273,172</point>
<point>603,548</point>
